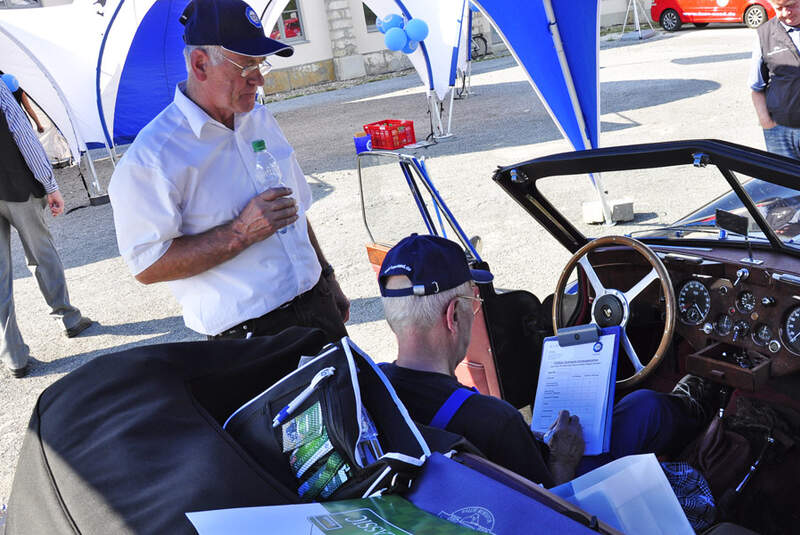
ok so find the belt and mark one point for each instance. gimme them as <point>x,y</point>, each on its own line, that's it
<point>246,328</point>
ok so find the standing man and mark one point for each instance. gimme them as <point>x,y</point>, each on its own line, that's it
<point>430,299</point>
<point>27,185</point>
<point>191,208</point>
<point>775,78</point>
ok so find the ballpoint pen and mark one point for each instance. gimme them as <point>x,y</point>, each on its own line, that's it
<point>285,412</point>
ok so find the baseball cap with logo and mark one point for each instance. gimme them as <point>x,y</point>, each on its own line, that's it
<point>433,265</point>
<point>231,24</point>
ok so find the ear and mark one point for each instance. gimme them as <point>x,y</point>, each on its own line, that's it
<point>199,62</point>
<point>451,316</point>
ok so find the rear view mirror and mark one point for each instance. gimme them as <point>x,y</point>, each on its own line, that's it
<point>732,223</point>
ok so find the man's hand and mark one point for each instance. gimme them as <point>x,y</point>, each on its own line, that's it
<point>56,202</point>
<point>342,302</point>
<point>264,215</point>
<point>566,447</point>
<point>767,122</point>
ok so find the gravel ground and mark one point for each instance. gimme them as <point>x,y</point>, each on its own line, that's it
<point>691,84</point>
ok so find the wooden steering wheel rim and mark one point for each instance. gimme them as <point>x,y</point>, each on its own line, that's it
<point>666,286</point>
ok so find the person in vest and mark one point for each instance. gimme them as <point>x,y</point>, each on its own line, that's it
<point>430,299</point>
<point>27,185</point>
<point>775,79</point>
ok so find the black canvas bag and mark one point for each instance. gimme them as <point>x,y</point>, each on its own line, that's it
<point>346,384</point>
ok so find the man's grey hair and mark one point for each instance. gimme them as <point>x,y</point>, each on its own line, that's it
<point>214,54</point>
<point>419,312</point>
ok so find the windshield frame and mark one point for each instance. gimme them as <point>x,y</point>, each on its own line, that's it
<point>519,181</point>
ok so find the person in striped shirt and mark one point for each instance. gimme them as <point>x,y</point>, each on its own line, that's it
<point>27,186</point>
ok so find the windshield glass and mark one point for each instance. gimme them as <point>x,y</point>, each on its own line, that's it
<point>674,203</point>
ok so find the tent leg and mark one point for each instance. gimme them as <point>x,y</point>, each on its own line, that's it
<point>450,113</point>
<point>439,127</point>
<point>96,197</point>
<point>602,195</point>
<point>112,154</point>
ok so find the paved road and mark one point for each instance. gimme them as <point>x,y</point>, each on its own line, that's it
<point>679,86</point>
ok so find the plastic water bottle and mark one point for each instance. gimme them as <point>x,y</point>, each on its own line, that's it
<point>268,172</point>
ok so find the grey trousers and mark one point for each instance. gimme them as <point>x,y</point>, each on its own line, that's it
<point>28,218</point>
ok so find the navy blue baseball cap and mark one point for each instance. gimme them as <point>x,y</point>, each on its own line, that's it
<point>433,265</point>
<point>231,24</point>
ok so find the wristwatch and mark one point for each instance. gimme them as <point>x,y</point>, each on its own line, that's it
<point>327,271</point>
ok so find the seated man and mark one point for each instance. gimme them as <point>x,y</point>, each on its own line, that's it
<point>430,299</point>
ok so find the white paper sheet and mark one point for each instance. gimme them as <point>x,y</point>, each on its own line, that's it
<point>577,379</point>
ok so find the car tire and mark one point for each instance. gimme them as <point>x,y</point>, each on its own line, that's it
<point>670,20</point>
<point>755,16</point>
<point>700,24</point>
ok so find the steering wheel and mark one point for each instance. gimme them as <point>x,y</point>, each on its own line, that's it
<point>612,307</point>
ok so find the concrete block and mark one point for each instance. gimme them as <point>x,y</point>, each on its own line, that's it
<point>349,67</point>
<point>621,211</point>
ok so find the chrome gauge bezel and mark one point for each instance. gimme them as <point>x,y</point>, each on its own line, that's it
<point>758,340</point>
<point>748,307</point>
<point>723,332</point>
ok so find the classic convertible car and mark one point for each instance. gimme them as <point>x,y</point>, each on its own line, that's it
<point>704,279</point>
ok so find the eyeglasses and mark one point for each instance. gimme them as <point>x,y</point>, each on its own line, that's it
<point>476,302</point>
<point>263,68</point>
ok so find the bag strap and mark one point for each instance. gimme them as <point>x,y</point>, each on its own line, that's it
<point>450,407</point>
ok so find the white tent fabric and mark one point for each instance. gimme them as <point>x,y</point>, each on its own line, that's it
<point>52,52</point>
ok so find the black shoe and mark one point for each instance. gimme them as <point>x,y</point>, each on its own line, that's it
<point>698,395</point>
<point>79,327</point>
<point>19,373</point>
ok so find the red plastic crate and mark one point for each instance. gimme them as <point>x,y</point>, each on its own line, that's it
<point>391,133</point>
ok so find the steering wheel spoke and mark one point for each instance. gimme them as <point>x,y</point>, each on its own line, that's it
<point>599,289</point>
<point>632,356</point>
<point>631,294</point>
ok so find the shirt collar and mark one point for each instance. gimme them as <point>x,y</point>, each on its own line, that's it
<point>195,115</point>
<point>788,29</point>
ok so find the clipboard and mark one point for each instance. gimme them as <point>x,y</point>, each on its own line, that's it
<point>578,373</point>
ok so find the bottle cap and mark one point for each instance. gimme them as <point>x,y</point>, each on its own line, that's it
<point>259,145</point>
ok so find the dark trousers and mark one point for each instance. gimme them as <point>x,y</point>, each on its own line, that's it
<point>645,421</point>
<point>314,308</point>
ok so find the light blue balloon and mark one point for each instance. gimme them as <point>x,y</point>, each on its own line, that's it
<point>410,47</point>
<point>416,29</point>
<point>390,21</point>
<point>395,38</point>
<point>11,82</point>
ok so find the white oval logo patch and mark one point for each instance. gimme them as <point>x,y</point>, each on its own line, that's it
<point>252,17</point>
<point>722,3</point>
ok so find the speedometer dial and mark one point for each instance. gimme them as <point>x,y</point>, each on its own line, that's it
<point>792,330</point>
<point>694,302</point>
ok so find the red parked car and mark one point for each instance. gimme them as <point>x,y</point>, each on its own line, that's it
<point>671,14</point>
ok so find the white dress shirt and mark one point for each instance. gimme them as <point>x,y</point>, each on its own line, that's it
<point>186,173</point>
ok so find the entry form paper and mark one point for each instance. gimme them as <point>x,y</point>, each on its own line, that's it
<point>579,379</point>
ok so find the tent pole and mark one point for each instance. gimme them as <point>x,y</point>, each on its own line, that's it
<point>573,95</point>
<point>111,154</point>
<point>98,197</point>
<point>450,113</point>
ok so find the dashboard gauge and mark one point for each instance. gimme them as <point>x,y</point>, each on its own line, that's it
<point>694,302</point>
<point>745,302</point>
<point>723,325</point>
<point>792,330</point>
<point>762,334</point>
<point>740,330</point>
